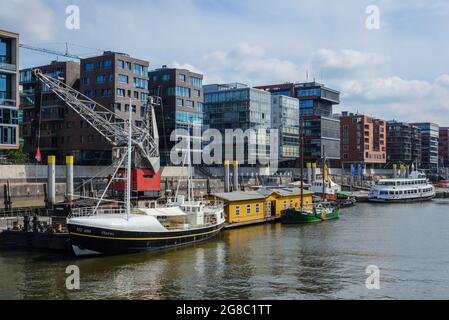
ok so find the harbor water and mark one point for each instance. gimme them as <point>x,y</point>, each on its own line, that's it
<point>409,243</point>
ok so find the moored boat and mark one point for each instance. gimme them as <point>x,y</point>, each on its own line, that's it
<point>414,188</point>
<point>320,213</point>
<point>113,231</point>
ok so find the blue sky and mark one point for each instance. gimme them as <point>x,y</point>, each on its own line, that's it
<point>400,71</point>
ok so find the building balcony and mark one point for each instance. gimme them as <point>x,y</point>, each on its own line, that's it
<point>5,64</point>
<point>6,99</point>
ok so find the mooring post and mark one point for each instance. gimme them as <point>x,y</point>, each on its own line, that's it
<point>69,178</point>
<point>51,183</point>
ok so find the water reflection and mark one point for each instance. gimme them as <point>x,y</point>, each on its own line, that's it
<point>326,260</point>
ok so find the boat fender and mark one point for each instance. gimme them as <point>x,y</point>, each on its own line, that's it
<point>323,214</point>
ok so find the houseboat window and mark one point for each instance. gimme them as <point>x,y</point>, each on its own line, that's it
<point>285,204</point>
<point>257,208</point>
<point>237,210</point>
<point>248,209</point>
<point>291,203</point>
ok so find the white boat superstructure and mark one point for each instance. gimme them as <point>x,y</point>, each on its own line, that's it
<point>330,187</point>
<point>414,188</point>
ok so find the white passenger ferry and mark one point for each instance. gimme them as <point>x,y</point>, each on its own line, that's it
<point>415,188</point>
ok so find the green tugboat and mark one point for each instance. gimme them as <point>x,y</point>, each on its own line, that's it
<point>320,213</point>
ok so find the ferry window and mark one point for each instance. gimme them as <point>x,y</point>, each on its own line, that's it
<point>237,210</point>
<point>391,193</point>
<point>248,209</point>
<point>257,208</point>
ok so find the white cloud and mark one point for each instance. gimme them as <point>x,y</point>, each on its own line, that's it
<point>396,98</point>
<point>249,64</point>
<point>345,62</point>
<point>34,20</point>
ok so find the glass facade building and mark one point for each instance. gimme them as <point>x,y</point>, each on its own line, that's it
<point>430,135</point>
<point>285,118</point>
<point>10,115</point>
<point>322,129</point>
<point>237,106</point>
<point>403,143</point>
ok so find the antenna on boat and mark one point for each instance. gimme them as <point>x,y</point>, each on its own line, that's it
<point>128,164</point>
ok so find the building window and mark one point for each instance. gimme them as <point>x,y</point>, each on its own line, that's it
<point>143,97</point>
<point>189,104</point>
<point>121,64</point>
<point>86,80</point>
<point>136,94</point>
<point>89,93</point>
<point>285,204</point>
<point>291,203</point>
<point>117,107</point>
<point>179,102</point>
<point>88,67</point>
<point>134,108</point>
<point>196,82</point>
<point>196,92</point>
<point>166,77</point>
<point>178,91</point>
<point>106,92</point>
<point>140,70</point>
<point>140,83</point>
<point>237,210</point>
<point>257,208</point>
<point>101,79</point>
<point>121,92</point>
<point>126,107</point>
<point>105,64</point>
<point>182,77</point>
<point>248,209</point>
<point>123,78</point>
<point>154,78</point>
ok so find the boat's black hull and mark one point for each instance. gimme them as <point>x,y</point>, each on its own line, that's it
<point>110,242</point>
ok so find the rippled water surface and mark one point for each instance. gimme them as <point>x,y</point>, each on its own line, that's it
<point>408,242</point>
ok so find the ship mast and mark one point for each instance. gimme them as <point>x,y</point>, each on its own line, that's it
<point>128,164</point>
<point>301,138</point>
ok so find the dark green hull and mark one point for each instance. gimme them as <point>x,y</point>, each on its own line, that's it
<point>292,216</point>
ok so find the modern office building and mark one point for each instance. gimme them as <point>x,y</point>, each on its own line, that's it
<point>430,134</point>
<point>237,106</point>
<point>321,128</point>
<point>285,118</point>
<point>182,97</point>
<point>443,147</point>
<point>9,91</point>
<point>45,115</point>
<point>403,144</point>
<point>363,141</point>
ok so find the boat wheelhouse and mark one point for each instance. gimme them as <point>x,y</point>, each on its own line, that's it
<point>415,188</point>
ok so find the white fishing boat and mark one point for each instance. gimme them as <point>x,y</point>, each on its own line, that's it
<point>414,188</point>
<point>117,230</point>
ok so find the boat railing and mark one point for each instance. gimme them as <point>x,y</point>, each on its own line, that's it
<point>90,211</point>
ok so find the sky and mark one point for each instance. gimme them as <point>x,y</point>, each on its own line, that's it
<point>399,71</point>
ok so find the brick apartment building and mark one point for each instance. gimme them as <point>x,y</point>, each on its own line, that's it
<point>45,115</point>
<point>403,144</point>
<point>181,92</point>
<point>443,147</point>
<point>111,79</point>
<point>363,141</point>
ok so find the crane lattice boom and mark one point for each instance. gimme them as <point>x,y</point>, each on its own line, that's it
<point>110,125</point>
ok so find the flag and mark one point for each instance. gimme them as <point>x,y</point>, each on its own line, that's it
<point>38,155</point>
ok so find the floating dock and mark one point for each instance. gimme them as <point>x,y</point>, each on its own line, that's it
<point>236,225</point>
